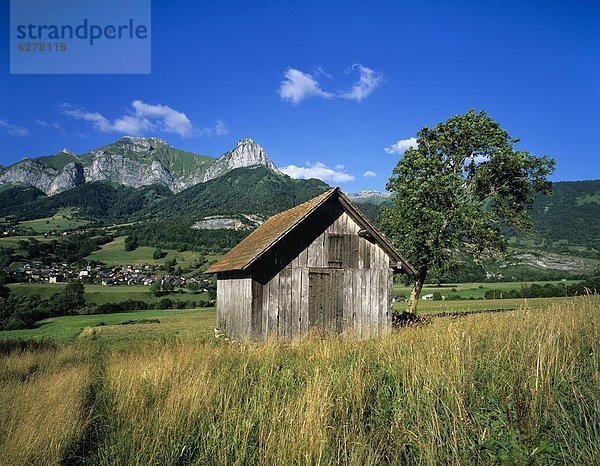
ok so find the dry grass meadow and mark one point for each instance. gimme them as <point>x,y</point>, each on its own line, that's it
<point>521,387</point>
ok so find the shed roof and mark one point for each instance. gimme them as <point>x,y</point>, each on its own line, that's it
<point>276,227</point>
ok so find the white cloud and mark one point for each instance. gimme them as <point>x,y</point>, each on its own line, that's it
<point>369,174</point>
<point>168,119</point>
<point>221,128</point>
<point>368,81</point>
<point>317,170</point>
<point>45,124</point>
<point>145,118</point>
<point>132,125</point>
<point>100,122</point>
<point>399,147</point>
<point>14,130</point>
<point>297,86</point>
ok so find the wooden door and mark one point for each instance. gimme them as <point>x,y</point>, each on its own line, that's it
<point>324,301</point>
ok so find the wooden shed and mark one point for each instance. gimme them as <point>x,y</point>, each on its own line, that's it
<point>320,266</point>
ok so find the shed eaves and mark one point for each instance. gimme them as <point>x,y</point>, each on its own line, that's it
<point>265,236</point>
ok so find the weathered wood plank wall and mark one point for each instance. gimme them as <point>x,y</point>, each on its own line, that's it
<point>234,306</point>
<point>363,304</point>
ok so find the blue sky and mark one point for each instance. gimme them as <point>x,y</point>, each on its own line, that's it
<point>326,87</point>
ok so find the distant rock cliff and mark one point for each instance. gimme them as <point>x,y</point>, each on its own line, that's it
<point>133,162</point>
<point>51,174</point>
<point>245,154</point>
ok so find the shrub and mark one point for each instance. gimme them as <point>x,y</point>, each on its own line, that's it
<point>158,254</point>
<point>164,303</point>
<point>108,308</point>
<point>20,344</point>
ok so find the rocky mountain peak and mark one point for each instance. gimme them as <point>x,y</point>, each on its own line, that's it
<point>246,153</point>
<point>132,161</point>
<point>249,150</point>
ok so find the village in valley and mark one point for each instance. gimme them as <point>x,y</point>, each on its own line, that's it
<point>101,274</point>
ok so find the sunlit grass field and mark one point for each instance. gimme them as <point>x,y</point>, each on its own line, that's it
<point>99,294</point>
<point>472,290</point>
<point>114,253</point>
<point>64,219</point>
<point>12,242</point>
<point>435,307</point>
<point>521,387</point>
<point>123,325</point>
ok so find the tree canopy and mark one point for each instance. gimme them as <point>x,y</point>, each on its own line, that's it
<point>456,189</point>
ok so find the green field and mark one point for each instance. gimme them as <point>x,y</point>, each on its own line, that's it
<point>99,294</point>
<point>12,242</point>
<point>435,307</point>
<point>470,290</point>
<point>63,220</point>
<point>114,253</point>
<point>190,322</point>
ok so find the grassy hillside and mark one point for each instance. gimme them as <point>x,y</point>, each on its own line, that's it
<point>114,253</point>
<point>470,290</point>
<point>58,161</point>
<point>64,219</point>
<point>99,294</point>
<point>69,327</point>
<point>563,243</point>
<point>95,201</point>
<point>243,190</point>
<point>12,242</point>
<point>514,388</point>
<point>125,326</point>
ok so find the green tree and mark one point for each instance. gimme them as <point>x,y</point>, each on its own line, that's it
<point>170,265</point>
<point>194,287</point>
<point>454,192</point>
<point>161,288</point>
<point>158,254</point>
<point>69,300</point>
<point>131,243</point>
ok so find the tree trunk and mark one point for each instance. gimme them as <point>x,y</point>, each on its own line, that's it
<point>415,294</point>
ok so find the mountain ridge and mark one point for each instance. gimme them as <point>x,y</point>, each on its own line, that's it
<point>133,162</point>
<point>249,190</point>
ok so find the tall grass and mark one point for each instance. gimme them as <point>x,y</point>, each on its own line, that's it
<point>41,396</point>
<point>515,388</point>
<point>523,386</point>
